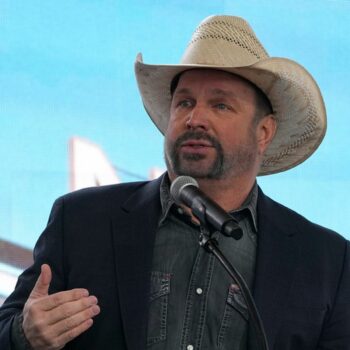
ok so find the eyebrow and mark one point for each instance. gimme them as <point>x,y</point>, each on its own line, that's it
<point>218,92</point>
<point>182,91</point>
<point>225,93</point>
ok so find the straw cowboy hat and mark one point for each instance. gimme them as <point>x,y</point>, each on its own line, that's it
<point>228,43</point>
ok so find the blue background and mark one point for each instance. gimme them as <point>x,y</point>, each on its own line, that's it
<point>66,69</point>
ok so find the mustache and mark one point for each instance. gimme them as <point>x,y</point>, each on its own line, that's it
<point>196,135</point>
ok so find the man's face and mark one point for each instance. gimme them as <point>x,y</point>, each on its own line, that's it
<point>211,133</point>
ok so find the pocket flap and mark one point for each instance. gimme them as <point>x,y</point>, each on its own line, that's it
<point>160,284</point>
<point>236,300</point>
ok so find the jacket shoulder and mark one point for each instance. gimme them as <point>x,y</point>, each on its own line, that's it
<point>295,222</point>
<point>118,191</point>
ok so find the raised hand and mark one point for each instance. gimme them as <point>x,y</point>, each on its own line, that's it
<point>51,321</point>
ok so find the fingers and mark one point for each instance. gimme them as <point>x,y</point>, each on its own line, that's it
<point>56,334</point>
<point>71,334</point>
<point>66,325</point>
<point>42,284</point>
<point>46,274</point>
<point>50,321</point>
<point>53,301</point>
<point>72,308</point>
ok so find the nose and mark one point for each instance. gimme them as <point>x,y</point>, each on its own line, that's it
<point>197,119</point>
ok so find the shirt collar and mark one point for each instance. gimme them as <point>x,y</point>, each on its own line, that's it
<point>249,204</point>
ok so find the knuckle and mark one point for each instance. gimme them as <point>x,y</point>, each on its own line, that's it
<point>43,334</point>
<point>76,331</point>
<point>89,313</point>
<point>84,303</point>
<point>77,293</point>
<point>55,344</point>
<point>89,301</point>
<point>66,310</point>
<point>45,338</point>
<point>73,333</point>
<point>68,324</point>
<point>56,299</point>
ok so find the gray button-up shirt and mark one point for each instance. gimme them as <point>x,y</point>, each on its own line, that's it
<point>194,304</point>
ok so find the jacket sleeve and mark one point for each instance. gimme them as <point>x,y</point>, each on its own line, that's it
<point>336,329</point>
<point>18,339</point>
<point>47,250</point>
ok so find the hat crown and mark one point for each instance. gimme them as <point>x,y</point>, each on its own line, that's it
<point>225,41</point>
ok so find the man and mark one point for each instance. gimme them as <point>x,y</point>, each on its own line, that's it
<point>119,267</point>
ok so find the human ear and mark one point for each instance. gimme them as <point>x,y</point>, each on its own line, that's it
<point>266,130</point>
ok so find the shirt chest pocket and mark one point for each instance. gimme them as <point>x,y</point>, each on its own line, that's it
<point>158,309</point>
<point>234,321</point>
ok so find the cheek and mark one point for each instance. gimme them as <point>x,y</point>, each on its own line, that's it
<point>232,136</point>
<point>228,136</point>
<point>174,128</point>
<point>169,134</point>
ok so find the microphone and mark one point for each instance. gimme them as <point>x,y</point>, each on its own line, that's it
<point>185,190</point>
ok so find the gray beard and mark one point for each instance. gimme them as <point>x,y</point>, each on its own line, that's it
<point>224,165</point>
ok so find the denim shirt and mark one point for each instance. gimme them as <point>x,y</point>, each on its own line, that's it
<point>194,304</point>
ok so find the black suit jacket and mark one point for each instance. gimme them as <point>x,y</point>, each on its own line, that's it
<point>102,239</point>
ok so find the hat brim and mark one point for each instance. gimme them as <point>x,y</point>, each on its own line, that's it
<point>294,95</point>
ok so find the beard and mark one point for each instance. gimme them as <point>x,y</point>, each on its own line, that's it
<point>225,164</point>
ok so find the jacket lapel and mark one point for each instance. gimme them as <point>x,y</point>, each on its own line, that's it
<point>134,232</point>
<point>277,259</point>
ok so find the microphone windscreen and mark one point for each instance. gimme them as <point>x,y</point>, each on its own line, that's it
<point>178,184</point>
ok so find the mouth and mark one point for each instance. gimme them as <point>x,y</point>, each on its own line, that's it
<point>196,146</point>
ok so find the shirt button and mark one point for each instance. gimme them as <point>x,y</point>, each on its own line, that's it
<point>199,291</point>
<point>190,347</point>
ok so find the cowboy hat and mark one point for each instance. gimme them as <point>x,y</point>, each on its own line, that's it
<point>228,43</point>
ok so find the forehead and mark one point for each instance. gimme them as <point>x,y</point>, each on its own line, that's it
<point>212,80</point>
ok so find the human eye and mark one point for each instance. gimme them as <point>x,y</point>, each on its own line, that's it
<point>186,103</point>
<point>222,106</point>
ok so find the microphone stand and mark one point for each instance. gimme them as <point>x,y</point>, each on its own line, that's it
<point>210,244</point>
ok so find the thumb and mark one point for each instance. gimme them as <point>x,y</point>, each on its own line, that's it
<point>42,284</point>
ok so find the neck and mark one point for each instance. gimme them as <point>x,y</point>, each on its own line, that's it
<point>230,195</point>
